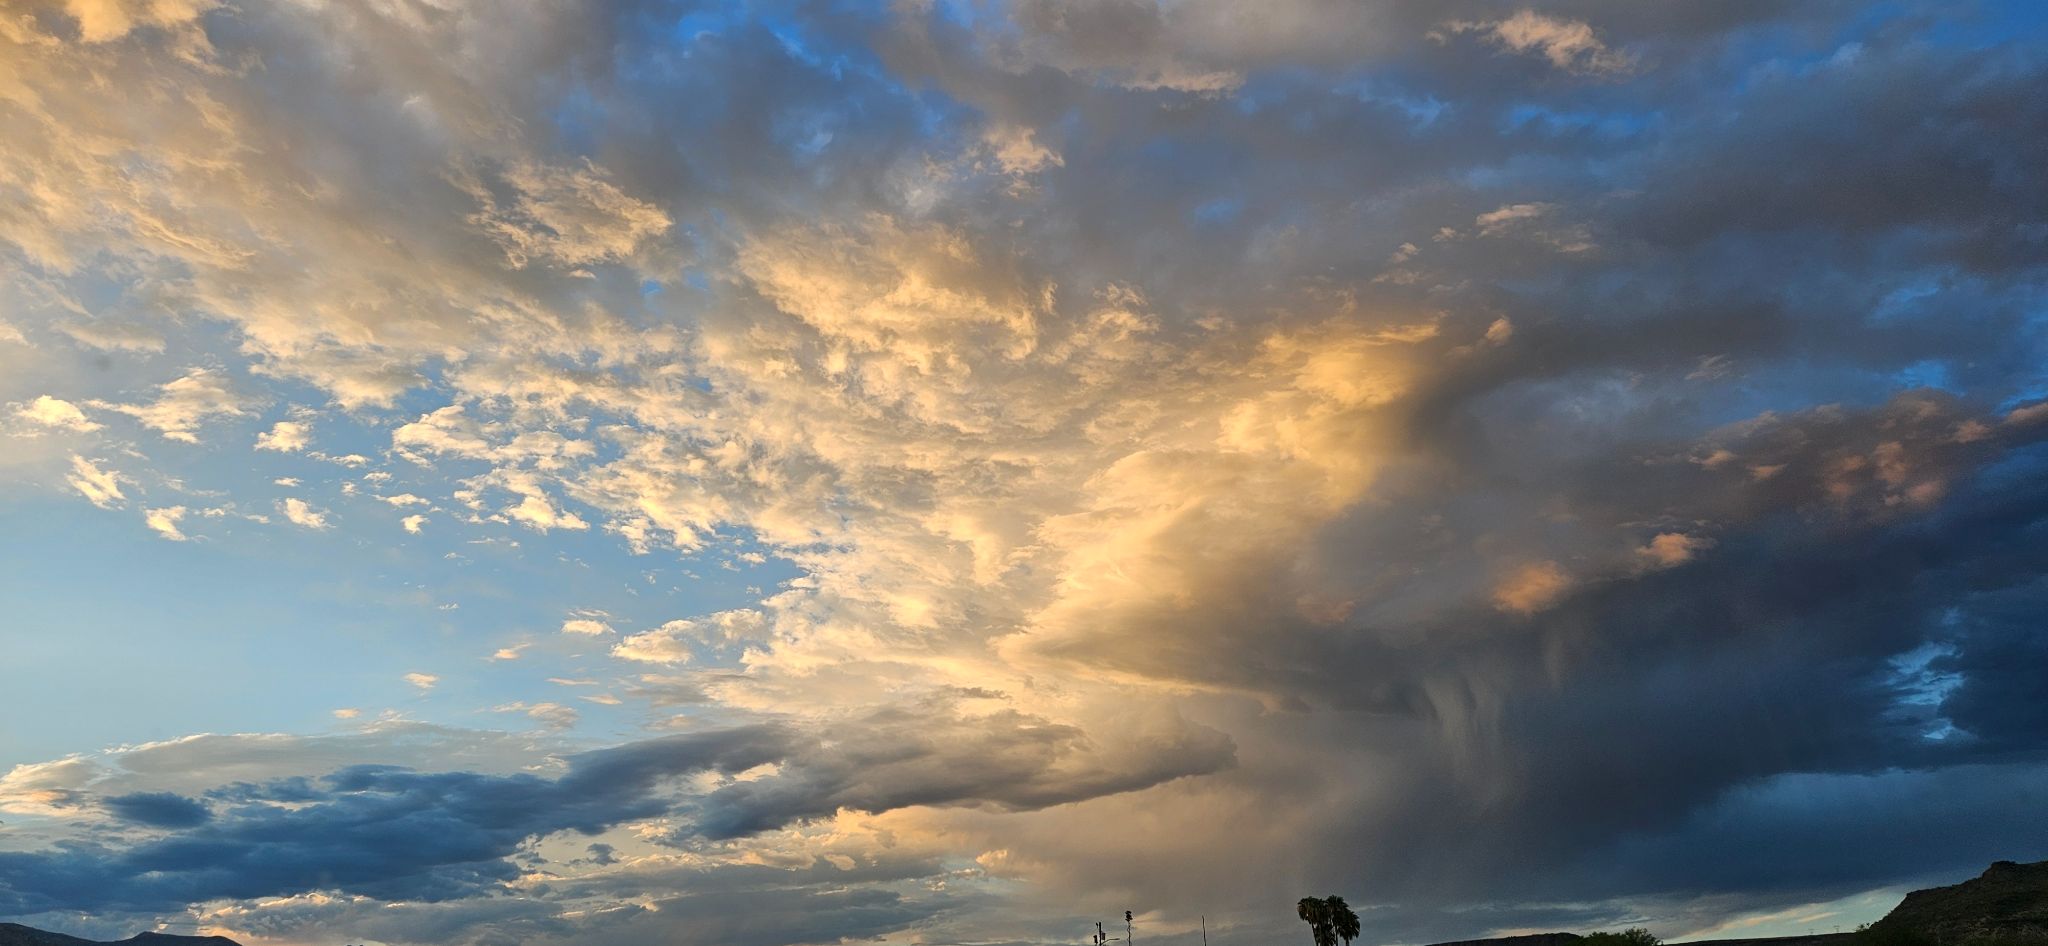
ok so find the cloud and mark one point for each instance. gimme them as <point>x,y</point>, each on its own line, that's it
<point>101,21</point>
<point>1531,222</point>
<point>674,641</point>
<point>1135,485</point>
<point>535,509</point>
<point>301,513</point>
<point>1017,151</point>
<point>101,487</point>
<point>424,681</point>
<point>667,644</point>
<point>1532,587</point>
<point>2027,413</point>
<point>1127,43</point>
<point>590,623</point>
<point>165,521</point>
<point>55,414</point>
<point>360,829</point>
<point>285,436</point>
<point>1569,45</point>
<point>158,810</point>
<point>935,754</point>
<point>548,715</point>
<point>566,216</point>
<point>115,336</point>
<point>1668,549</point>
<point>184,404</point>
<point>376,831</point>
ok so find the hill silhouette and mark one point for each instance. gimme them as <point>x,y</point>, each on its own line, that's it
<point>1568,939</point>
<point>2008,901</point>
<point>1526,939</point>
<point>2007,904</point>
<point>15,934</point>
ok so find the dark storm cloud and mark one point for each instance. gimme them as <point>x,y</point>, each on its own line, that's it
<point>158,810</point>
<point>371,830</point>
<point>1873,140</point>
<point>1995,703</point>
<point>1827,489</point>
<point>1842,832</point>
<point>401,835</point>
<point>376,831</point>
<point>931,754</point>
<point>1860,218</point>
<point>1659,716</point>
<point>1658,167</point>
<point>1753,703</point>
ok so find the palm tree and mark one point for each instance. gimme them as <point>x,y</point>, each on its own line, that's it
<point>1316,913</point>
<point>1343,922</point>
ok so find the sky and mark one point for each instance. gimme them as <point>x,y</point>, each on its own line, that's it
<point>952,471</point>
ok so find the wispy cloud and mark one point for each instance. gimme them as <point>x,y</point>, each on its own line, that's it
<point>1569,45</point>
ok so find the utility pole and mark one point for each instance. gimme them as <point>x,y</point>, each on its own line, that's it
<point>1127,926</point>
<point>1205,929</point>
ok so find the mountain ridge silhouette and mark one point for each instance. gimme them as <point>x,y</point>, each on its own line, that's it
<point>15,934</point>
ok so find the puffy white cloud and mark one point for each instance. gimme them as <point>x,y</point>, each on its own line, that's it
<point>424,681</point>
<point>300,513</point>
<point>534,508</point>
<point>55,413</point>
<point>667,644</point>
<point>285,436</point>
<point>675,641</point>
